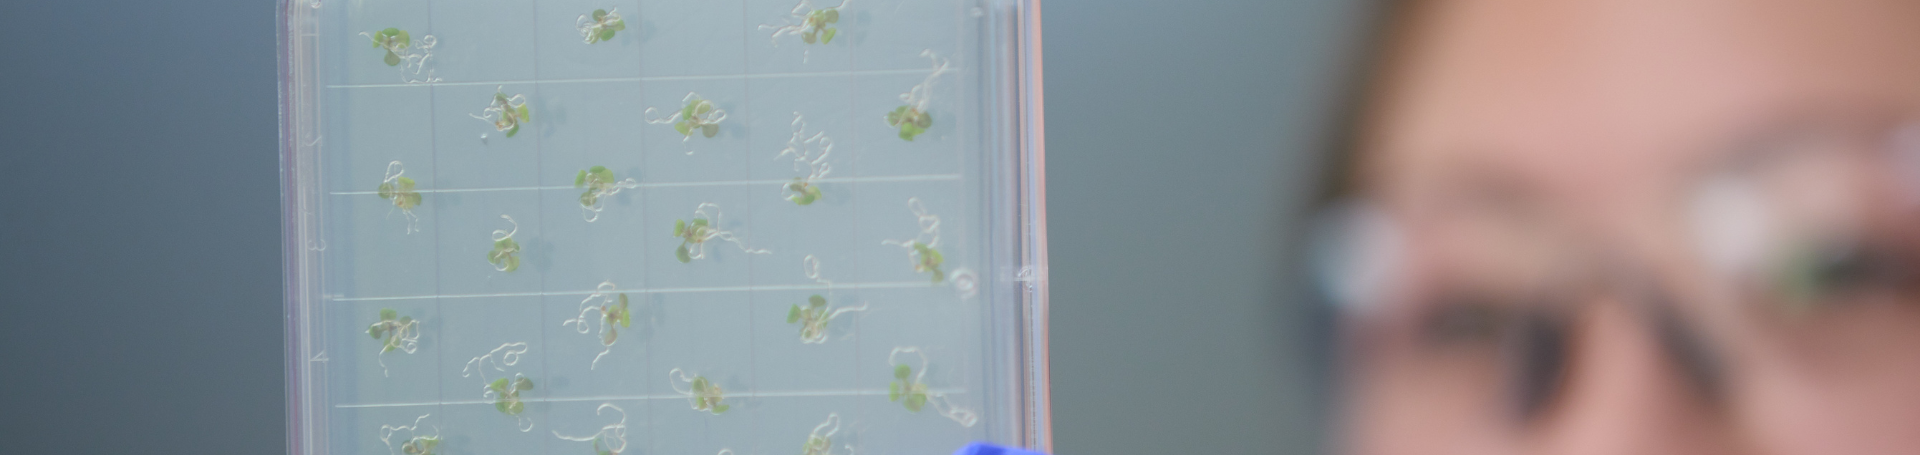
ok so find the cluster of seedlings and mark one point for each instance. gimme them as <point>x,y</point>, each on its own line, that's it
<point>607,310</point>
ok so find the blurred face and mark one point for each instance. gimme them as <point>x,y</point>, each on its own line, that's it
<point>1644,226</point>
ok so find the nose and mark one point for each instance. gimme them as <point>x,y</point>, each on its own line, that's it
<point>1625,392</point>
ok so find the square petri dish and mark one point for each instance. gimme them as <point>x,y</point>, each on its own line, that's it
<point>663,226</point>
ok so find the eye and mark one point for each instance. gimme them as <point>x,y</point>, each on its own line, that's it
<point>1531,346</point>
<point>1831,273</point>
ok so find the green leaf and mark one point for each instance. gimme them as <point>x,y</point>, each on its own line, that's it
<point>679,228</point>
<point>401,37</point>
<point>685,128</point>
<point>907,131</point>
<point>386,191</point>
<point>682,254</point>
<point>388,314</point>
<point>413,200</point>
<point>500,99</point>
<point>524,116</point>
<point>388,348</point>
<point>580,179</point>
<point>404,320</point>
<point>832,15</point>
<point>893,391</point>
<point>827,37</point>
<point>606,33</point>
<point>406,183</point>
<point>924,121</point>
<point>817,301</point>
<point>902,371</point>
<point>513,263</point>
<point>515,407</point>
<point>719,408</point>
<point>378,328</point>
<point>709,129</point>
<point>699,223</point>
<point>807,37</point>
<point>605,175</point>
<point>599,15</point>
<point>498,385</point>
<point>939,276</point>
<point>523,384</point>
<point>514,130</point>
<point>587,199</point>
<point>392,59</point>
<point>619,24</point>
<point>502,406</point>
<point>793,315</point>
<point>702,107</point>
<point>699,385</point>
<point>915,401</point>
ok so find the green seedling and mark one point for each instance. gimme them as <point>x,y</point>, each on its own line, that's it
<point>415,444</point>
<point>504,392</point>
<point>599,184</point>
<point>912,118</point>
<point>811,24</point>
<point>506,113</point>
<point>611,440</point>
<point>600,25</point>
<point>820,441</point>
<point>420,446</point>
<point>396,333</point>
<point>926,259</point>
<point>909,388</point>
<point>801,191</point>
<point>409,54</point>
<point>695,235</point>
<point>505,256</point>
<point>696,114</point>
<point>397,188</point>
<point>922,250</point>
<point>612,312</point>
<point>813,317</point>
<point>809,152</point>
<point>704,395</point>
<point>394,41</point>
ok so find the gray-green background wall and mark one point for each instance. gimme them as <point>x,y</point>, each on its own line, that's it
<point>139,224</point>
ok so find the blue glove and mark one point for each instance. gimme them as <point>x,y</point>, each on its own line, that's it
<point>981,448</point>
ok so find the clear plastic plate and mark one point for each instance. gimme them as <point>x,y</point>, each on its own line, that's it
<point>663,227</point>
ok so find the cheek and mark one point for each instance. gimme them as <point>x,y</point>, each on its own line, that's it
<point>1849,383</point>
